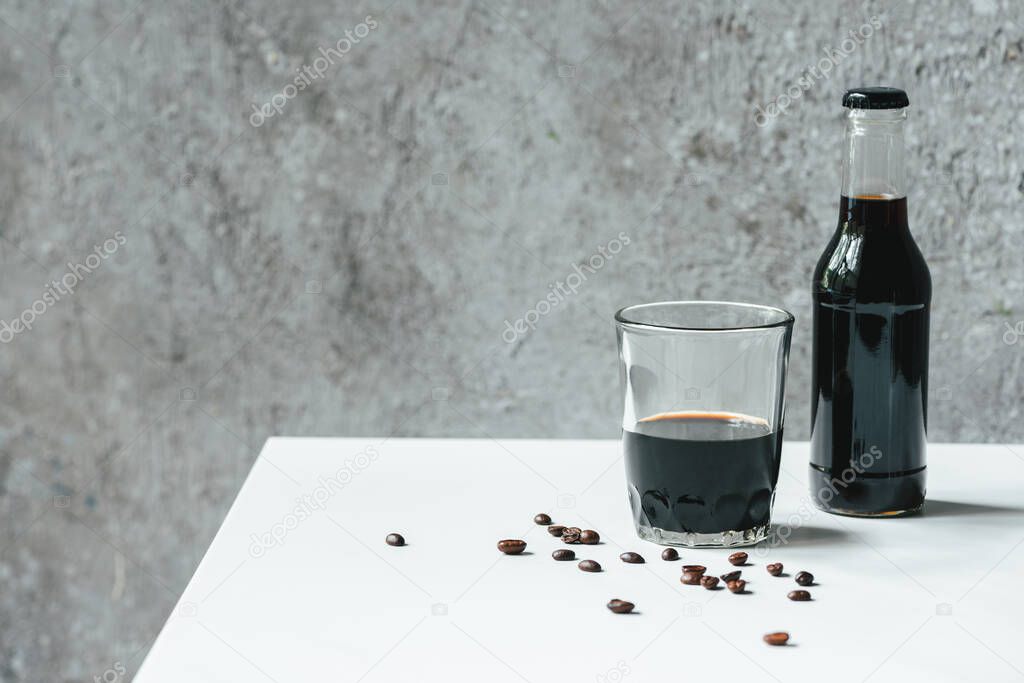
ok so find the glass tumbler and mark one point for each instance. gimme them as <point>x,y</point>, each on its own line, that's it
<point>704,400</point>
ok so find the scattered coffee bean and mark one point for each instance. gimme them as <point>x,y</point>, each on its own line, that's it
<point>737,586</point>
<point>738,559</point>
<point>804,578</point>
<point>775,568</point>
<point>691,578</point>
<point>542,519</point>
<point>698,569</point>
<point>563,554</point>
<point>511,546</point>
<point>670,554</point>
<point>778,638</point>
<point>709,582</point>
<point>731,576</point>
<point>556,529</point>
<point>632,558</point>
<point>590,537</point>
<point>571,534</point>
<point>589,566</point>
<point>620,606</point>
<point>799,596</point>
<point>395,539</point>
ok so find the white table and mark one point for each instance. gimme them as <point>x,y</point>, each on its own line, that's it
<point>934,597</point>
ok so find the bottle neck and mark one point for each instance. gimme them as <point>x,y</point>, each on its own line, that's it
<point>873,154</point>
<point>866,216</point>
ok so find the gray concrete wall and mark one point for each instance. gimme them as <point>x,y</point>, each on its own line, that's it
<point>347,266</point>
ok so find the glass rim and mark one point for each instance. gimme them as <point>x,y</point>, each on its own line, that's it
<point>786,319</point>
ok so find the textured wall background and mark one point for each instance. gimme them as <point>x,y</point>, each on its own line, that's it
<point>346,268</point>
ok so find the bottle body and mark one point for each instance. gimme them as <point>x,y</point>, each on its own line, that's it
<point>869,412</point>
<point>872,300</point>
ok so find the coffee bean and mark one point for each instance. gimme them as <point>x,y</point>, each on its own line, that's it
<point>542,519</point>
<point>775,568</point>
<point>571,534</point>
<point>620,606</point>
<point>670,554</point>
<point>804,578</point>
<point>511,546</point>
<point>556,529</point>
<point>590,537</point>
<point>731,576</point>
<point>778,638</point>
<point>563,554</point>
<point>709,582</point>
<point>691,578</point>
<point>698,569</point>
<point>395,539</point>
<point>799,596</point>
<point>738,559</point>
<point>589,566</point>
<point>737,586</point>
<point>631,558</point>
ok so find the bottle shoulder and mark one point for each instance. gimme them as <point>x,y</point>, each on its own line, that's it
<point>881,265</point>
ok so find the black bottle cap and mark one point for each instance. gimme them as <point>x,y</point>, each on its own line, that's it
<point>875,98</point>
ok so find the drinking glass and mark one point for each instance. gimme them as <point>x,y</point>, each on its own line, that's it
<point>703,406</point>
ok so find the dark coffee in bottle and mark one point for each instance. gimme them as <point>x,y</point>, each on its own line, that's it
<point>872,295</point>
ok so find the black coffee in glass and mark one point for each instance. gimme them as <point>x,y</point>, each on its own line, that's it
<point>702,472</point>
<point>703,406</point>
